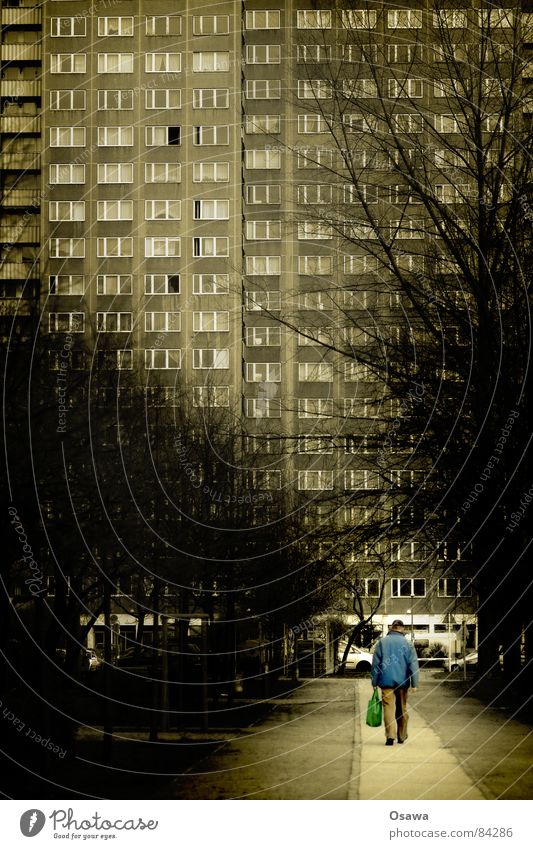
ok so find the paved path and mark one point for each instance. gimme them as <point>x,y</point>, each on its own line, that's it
<point>315,745</point>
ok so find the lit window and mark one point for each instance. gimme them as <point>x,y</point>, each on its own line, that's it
<point>163,246</point>
<point>210,358</point>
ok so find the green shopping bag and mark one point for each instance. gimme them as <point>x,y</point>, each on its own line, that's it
<point>373,712</point>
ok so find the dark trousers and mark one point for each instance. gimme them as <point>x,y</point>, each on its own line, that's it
<point>395,711</point>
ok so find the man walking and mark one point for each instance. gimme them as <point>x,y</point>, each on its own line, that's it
<point>395,669</point>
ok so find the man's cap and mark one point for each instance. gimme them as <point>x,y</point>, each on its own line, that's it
<point>397,624</point>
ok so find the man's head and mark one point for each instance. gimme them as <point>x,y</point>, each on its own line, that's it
<point>398,625</point>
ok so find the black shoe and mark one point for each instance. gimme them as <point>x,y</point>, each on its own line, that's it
<point>404,739</point>
<point>389,741</point>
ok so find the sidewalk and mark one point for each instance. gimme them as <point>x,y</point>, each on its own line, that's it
<point>315,745</point>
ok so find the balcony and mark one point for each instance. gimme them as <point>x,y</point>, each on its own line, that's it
<point>30,161</point>
<point>29,234</point>
<point>21,198</point>
<point>22,16</point>
<point>23,52</point>
<point>20,124</point>
<point>20,88</point>
<point>19,271</point>
<point>15,306</point>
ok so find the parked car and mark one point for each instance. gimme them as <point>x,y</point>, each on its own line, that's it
<point>358,660</point>
<point>470,660</point>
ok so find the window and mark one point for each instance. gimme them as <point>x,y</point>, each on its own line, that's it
<point>67,136</point>
<point>210,24</point>
<point>263,372</point>
<point>210,358</point>
<point>358,19</point>
<point>114,210</point>
<point>155,246</point>
<point>406,587</point>
<point>161,284</point>
<point>121,359</point>
<point>315,264</point>
<point>315,372</point>
<point>372,588</point>
<point>67,174</point>
<point>114,246</point>
<point>267,193</point>
<point>359,88</point>
<point>446,124</point>
<point>314,230</point>
<point>267,336</point>
<point>269,300</point>
<point>162,210</point>
<point>115,26</point>
<point>210,396</point>
<point>113,322</point>
<point>115,172</point>
<point>311,53</point>
<point>205,246</point>
<point>115,99</point>
<point>355,122</point>
<point>263,89</point>
<point>407,123</point>
<point>315,480</point>
<point>156,63</point>
<point>210,98</point>
<point>162,172</point>
<point>314,444</point>
<point>67,248</point>
<point>407,229</point>
<point>115,137</point>
<point>162,322</point>
<point>115,63</point>
<point>310,123</point>
<point>402,194</point>
<point>311,336</point>
<point>496,18</point>
<point>270,19</point>
<point>162,98</point>
<point>263,265</point>
<point>263,408</point>
<point>314,89</point>
<point>263,54</point>
<point>162,136</point>
<point>454,587</point>
<point>66,322</point>
<point>210,321</point>
<point>263,230</point>
<point>162,358</point>
<point>76,360</point>
<point>360,53</point>
<point>265,479</point>
<point>263,124</point>
<point>211,210</point>
<point>404,19</point>
<point>315,157</point>
<point>210,172</point>
<point>67,99</point>
<point>451,18</point>
<point>210,61</point>
<point>311,19</point>
<point>263,159</point>
<point>66,210</point>
<point>114,284</point>
<point>448,193</point>
<point>66,284</point>
<point>210,135</point>
<point>210,284</point>
<point>67,27</point>
<point>405,88</point>
<point>315,408</point>
<point>163,25</point>
<point>360,193</point>
<point>401,53</point>
<point>356,479</point>
<point>68,63</point>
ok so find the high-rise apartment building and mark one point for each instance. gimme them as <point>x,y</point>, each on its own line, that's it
<point>183,166</point>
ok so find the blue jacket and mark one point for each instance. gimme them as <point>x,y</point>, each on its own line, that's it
<point>394,663</point>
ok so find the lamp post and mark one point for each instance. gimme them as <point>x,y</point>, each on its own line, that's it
<point>412,618</point>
